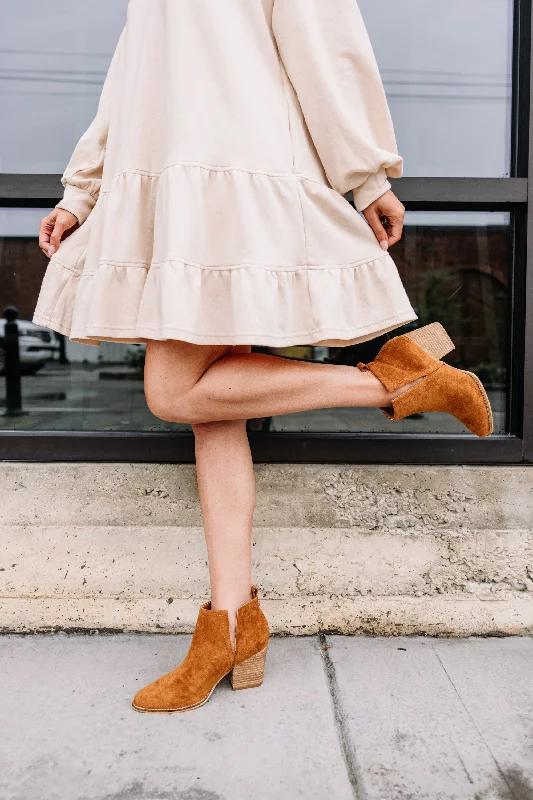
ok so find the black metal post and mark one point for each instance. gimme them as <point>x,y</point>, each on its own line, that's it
<point>12,363</point>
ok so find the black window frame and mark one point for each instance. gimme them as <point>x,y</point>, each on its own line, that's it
<point>513,194</point>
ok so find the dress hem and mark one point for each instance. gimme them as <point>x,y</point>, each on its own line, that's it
<point>324,337</point>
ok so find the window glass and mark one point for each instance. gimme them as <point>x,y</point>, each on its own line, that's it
<point>447,70</point>
<point>53,60</point>
<point>65,385</point>
<point>455,267</point>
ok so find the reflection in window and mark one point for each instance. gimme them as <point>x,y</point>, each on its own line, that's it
<point>455,267</point>
<point>456,270</point>
<point>65,385</point>
<point>53,60</point>
<point>447,70</point>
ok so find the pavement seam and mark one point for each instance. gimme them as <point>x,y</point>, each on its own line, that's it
<point>476,726</point>
<point>341,722</point>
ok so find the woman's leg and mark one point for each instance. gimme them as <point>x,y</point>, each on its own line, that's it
<point>225,477</point>
<point>224,383</point>
<point>216,389</point>
<point>227,497</point>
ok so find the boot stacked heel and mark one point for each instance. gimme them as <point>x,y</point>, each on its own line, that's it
<point>415,358</point>
<point>249,673</point>
<point>433,339</point>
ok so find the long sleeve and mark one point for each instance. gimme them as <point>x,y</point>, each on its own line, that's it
<point>83,175</point>
<point>330,62</point>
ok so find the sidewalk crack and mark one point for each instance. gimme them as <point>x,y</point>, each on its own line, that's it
<point>341,723</point>
<point>476,726</point>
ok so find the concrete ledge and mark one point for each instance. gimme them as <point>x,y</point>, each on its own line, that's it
<point>433,616</point>
<point>385,550</point>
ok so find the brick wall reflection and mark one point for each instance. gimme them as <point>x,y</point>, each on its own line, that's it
<point>457,275</point>
<point>22,266</point>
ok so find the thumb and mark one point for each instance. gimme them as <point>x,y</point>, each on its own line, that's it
<point>379,231</point>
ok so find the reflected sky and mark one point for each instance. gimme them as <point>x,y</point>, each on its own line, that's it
<point>446,69</point>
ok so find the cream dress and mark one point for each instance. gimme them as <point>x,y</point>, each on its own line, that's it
<point>209,187</point>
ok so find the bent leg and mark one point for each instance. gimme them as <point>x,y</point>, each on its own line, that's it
<point>192,383</point>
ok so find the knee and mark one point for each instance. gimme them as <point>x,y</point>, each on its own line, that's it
<point>169,409</point>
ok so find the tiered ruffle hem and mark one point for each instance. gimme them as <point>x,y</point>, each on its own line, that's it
<point>222,255</point>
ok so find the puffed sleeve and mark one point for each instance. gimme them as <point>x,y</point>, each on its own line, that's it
<point>83,175</point>
<point>330,62</point>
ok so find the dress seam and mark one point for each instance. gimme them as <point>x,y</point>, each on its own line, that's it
<point>231,267</point>
<point>213,168</point>
<point>293,157</point>
<point>66,266</point>
<point>74,185</point>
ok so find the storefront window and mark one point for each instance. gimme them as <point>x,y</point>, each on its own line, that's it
<point>455,267</point>
<point>53,61</point>
<point>447,70</point>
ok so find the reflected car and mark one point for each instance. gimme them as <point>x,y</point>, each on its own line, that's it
<point>37,345</point>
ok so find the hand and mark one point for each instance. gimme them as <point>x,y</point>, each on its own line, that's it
<point>387,206</point>
<point>57,225</point>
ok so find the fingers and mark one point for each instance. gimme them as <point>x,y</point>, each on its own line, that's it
<point>55,227</point>
<point>45,232</point>
<point>395,230</point>
<point>60,227</point>
<point>388,208</point>
<point>374,220</point>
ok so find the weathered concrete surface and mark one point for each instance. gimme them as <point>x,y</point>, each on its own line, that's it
<point>440,616</point>
<point>74,736</point>
<point>445,550</point>
<point>337,717</point>
<point>307,495</point>
<point>435,718</point>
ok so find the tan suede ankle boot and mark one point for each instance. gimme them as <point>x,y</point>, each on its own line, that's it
<point>415,355</point>
<point>250,646</point>
<point>210,658</point>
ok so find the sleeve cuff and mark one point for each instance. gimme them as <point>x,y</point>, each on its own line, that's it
<point>77,201</point>
<point>374,186</point>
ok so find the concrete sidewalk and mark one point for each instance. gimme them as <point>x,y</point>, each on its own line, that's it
<point>337,717</point>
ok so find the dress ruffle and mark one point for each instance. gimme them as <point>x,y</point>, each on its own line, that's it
<point>222,256</point>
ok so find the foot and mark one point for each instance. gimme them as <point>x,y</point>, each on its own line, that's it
<point>410,369</point>
<point>210,658</point>
<point>190,685</point>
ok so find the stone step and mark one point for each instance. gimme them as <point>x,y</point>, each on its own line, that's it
<point>411,498</point>
<point>385,550</point>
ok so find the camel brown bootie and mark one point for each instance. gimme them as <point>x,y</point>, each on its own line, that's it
<point>210,658</point>
<point>250,646</point>
<point>417,354</point>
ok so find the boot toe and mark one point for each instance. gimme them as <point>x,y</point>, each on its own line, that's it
<point>149,698</point>
<point>480,420</point>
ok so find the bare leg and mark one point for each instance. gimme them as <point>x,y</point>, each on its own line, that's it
<point>227,497</point>
<point>234,385</point>
<point>225,475</point>
<point>204,386</point>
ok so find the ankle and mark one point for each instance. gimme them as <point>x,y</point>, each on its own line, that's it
<point>403,389</point>
<point>231,604</point>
